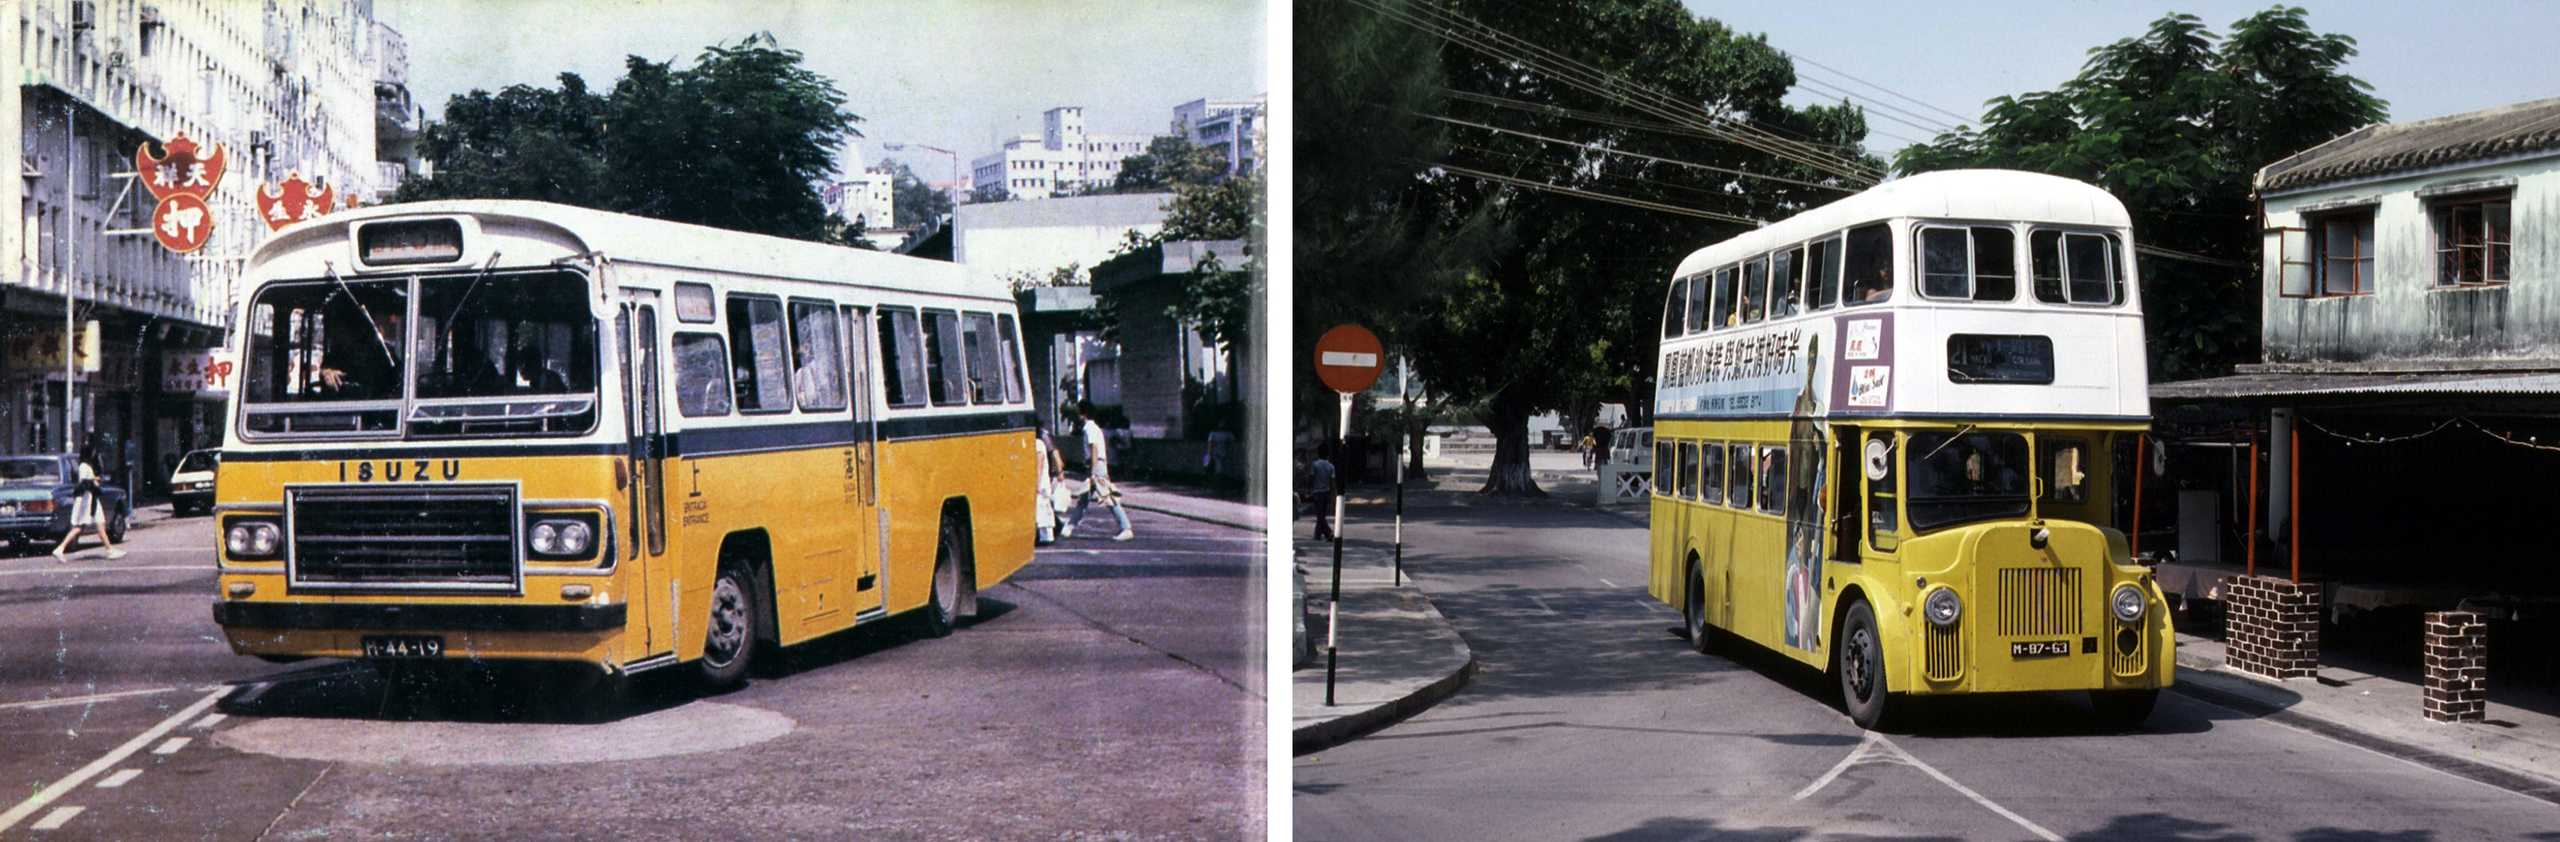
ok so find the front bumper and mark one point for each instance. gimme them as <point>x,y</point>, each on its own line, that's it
<point>378,617</point>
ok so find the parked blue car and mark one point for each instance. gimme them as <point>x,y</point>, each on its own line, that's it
<point>35,500</point>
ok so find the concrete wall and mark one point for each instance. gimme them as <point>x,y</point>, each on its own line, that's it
<point>1001,238</point>
<point>2407,318</point>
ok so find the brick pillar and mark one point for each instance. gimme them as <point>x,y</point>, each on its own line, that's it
<point>2272,626</point>
<point>2457,667</point>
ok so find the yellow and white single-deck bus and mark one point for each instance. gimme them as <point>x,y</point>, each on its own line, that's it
<point>516,431</point>
<point>1889,435</point>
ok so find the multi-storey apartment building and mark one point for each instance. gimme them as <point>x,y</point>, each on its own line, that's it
<point>1063,159</point>
<point>1231,126</point>
<point>284,85</point>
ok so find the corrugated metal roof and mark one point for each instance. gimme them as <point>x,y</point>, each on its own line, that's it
<point>2314,385</point>
<point>2393,147</point>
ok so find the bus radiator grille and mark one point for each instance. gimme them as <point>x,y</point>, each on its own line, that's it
<point>2040,602</point>
<point>1945,654</point>
<point>444,536</point>
<point>2129,664</point>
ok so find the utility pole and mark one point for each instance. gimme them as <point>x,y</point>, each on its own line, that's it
<point>70,269</point>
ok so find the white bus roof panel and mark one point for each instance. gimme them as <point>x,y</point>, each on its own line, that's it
<point>1948,194</point>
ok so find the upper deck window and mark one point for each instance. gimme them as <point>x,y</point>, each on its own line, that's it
<point>1698,302</point>
<point>1867,265</point>
<point>1672,317</point>
<point>1822,257</point>
<point>2077,267</point>
<point>1969,263</point>
<point>1728,280</point>
<point>1755,290</point>
<point>1786,283</point>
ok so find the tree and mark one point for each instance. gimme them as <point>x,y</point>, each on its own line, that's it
<point>738,141</point>
<point>852,235</point>
<point>1169,160</point>
<point>1538,300</point>
<point>2176,125</point>
<point>911,200</point>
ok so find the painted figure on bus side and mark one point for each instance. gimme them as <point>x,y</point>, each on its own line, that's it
<point>1805,485</point>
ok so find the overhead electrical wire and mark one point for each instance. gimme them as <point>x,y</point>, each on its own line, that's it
<point>1532,184</point>
<point>1593,147</point>
<point>1800,58</point>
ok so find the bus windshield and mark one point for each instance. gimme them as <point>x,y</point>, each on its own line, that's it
<point>504,337</point>
<point>488,354</point>
<point>1965,476</point>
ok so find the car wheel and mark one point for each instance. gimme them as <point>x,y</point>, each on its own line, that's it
<point>115,526</point>
<point>729,638</point>
<point>1861,668</point>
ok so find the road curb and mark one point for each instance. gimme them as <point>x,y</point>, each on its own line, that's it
<point>1323,735</point>
<point>1195,516</point>
<point>2197,680</point>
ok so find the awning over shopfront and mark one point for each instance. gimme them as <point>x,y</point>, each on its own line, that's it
<point>2523,392</point>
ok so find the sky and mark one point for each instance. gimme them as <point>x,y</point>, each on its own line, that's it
<point>958,74</point>
<point>2424,59</point>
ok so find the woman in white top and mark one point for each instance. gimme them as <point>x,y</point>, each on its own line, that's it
<point>86,515</point>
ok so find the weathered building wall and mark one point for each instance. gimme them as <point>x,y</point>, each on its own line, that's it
<point>2407,318</point>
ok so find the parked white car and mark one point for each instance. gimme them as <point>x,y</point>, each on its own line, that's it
<point>191,486</point>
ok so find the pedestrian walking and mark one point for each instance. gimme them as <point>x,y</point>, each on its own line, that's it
<point>86,511</point>
<point>1586,450</point>
<point>1320,489</point>
<point>1052,476</point>
<point>1098,483</point>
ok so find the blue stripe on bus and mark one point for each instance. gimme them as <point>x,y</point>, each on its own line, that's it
<point>697,442</point>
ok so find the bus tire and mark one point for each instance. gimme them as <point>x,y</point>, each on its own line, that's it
<point>1693,614</point>
<point>942,604</point>
<point>2123,710</point>
<point>729,636</point>
<point>1861,667</point>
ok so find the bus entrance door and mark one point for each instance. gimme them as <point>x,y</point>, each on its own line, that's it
<point>645,463</point>
<point>862,470</point>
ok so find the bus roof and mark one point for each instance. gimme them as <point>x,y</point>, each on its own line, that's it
<point>1947,194</point>
<point>639,239</point>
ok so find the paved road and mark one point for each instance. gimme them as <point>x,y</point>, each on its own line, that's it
<point>1110,691</point>
<point>1588,719</point>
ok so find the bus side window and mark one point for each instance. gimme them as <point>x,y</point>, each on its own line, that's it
<point>1883,520</point>
<point>1823,256</point>
<point>1995,264</point>
<point>1015,389</point>
<point>1755,290</point>
<point>758,354</point>
<point>2066,471</point>
<point>901,357</point>
<point>1786,284</point>
<point>1737,483</point>
<point>1773,479</point>
<point>1722,314</point>
<point>1711,473</point>
<point>986,384</point>
<point>816,357</point>
<point>1663,482</point>
<point>1698,303</point>
<point>1672,316</point>
<point>1867,265</point>
<point>945,381</point>
<point>1688,472</point>
<point>702,375</point>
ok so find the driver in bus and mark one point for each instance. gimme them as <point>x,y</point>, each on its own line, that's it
<point>368,364</point>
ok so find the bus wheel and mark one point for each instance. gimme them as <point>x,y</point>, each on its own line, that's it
<point>1862,684</point>
<point>2123,710</point>
<point>942,607</point>
<point>1701,637</point>
<point>729,638</point>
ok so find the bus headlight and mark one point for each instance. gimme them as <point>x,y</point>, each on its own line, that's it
<point>1942,607</point>
<point>561,537</point>
<point>251,539</point>
<point>2128,602</point>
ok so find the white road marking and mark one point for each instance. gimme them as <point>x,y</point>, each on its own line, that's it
<point>68,701</point>
<point>173,745</point>
<point>1226,553</point>
<point>73,781</point>
<point>210,720</point>
<point>1966,791</point>
<point>56,819</point>
<point>75,567</point>
<point>120,778</point>
<point>1609,583</point>
<point>1837,768</point>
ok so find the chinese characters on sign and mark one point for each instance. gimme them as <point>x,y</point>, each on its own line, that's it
<point>180,180</point>
<point>292,200</point>
<point>206,372</point>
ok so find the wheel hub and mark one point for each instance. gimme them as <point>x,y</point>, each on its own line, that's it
<point>728,623</point>
<point>1853,663</point>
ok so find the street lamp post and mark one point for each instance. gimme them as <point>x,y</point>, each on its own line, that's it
<point>955,165</point>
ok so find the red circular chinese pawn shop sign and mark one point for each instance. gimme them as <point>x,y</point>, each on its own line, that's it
<point>182,222</point>
<point>1348,358</point>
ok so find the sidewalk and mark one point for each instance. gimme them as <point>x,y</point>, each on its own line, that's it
<point>1397,655</point>
<point>2515,749</point>
<point>1188,504</point>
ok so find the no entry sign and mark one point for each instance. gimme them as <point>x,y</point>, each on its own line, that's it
<point>1348,358</point>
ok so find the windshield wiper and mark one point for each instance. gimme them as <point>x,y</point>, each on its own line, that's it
<point>446,329</point>
<point>373,327</point>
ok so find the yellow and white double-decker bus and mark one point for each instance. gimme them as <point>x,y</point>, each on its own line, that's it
<point>1890,434</point>
<point>515,431</point>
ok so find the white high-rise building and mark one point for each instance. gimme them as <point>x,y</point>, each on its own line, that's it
<point>1063,159</point>
<point>1231,126</point>
<point>281,85</point>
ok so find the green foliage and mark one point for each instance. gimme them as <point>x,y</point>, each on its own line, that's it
<point>911,200</point>
<point>1220,294</point>
<point>2176,122</point>
<point>851,235</point>
<point>736,141</point>
<point>1170,160</point>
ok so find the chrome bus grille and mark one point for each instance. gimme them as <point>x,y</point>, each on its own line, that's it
<point>441,537</point>
<point>2040,602</point>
